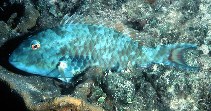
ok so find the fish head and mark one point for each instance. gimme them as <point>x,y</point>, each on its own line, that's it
<point>36,54</point>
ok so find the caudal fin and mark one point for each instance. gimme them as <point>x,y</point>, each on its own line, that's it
<point>177,53</point>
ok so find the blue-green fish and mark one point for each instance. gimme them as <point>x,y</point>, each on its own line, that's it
<point>65,51</point>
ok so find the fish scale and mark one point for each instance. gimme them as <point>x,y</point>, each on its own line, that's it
<point>67,50</point>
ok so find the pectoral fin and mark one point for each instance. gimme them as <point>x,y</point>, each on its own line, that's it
<point>65,73</point>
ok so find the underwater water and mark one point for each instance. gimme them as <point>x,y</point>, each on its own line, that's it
<point>114,55</point>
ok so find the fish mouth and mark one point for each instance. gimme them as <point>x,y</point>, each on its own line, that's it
<point>13,62</point>
<point>19,65</point>
<point>29,68</point>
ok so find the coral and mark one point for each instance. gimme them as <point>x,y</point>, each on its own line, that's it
<point>66,103</point>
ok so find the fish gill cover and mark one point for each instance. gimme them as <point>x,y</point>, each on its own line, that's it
<point>110,55</point>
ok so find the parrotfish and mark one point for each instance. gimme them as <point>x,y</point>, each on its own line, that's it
<point>67,50</point>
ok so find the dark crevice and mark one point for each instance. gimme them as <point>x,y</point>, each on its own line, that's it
<point>151,80</point>
<point>160,102</point>
<point>10,100</point>
<point>77,7</point>
<point>136,24</point>
<point>76,80</point>
<point>7,10</point>
<point>35,2</point>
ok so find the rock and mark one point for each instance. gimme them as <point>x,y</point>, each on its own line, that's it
<point>120,89</point>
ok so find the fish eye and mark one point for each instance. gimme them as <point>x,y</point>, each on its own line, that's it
<point>35,44</point>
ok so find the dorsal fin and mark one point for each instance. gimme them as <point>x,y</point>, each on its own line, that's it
<point>95,20</point>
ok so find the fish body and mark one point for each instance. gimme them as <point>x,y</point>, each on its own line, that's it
<point>65,51</point>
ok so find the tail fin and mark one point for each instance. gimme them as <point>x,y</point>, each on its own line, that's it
<point>176,56</point>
